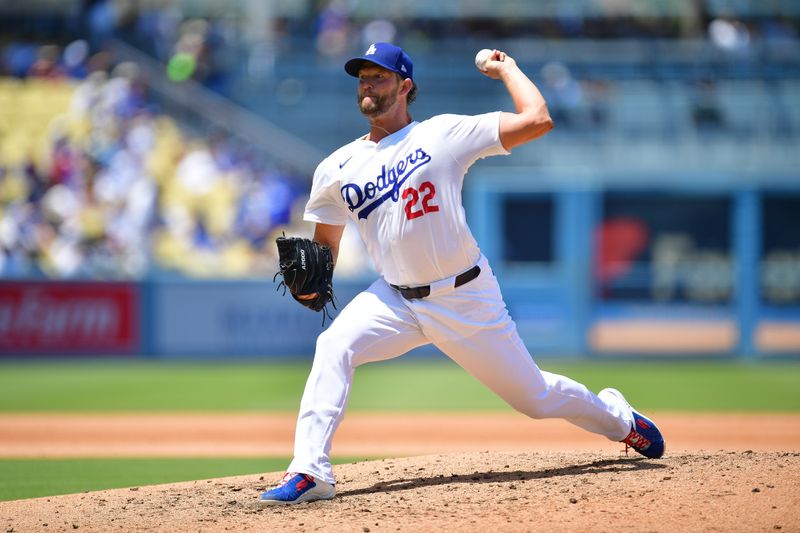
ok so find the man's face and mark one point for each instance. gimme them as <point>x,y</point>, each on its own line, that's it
<point>377,90</point>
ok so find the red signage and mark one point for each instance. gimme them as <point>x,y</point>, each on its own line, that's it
<point>60,317</point>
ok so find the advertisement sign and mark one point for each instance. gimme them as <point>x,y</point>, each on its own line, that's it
<point>664,274</point>
<point>665,249</point>
<point>780,251</point>
<point>51,318</point>
<point>247,318</point>
<point>778,328</point>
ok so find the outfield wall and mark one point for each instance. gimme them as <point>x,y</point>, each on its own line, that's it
<point>249,318</point>
<point>645,263</point>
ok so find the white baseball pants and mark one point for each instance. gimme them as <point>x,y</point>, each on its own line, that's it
<point>471,325</point>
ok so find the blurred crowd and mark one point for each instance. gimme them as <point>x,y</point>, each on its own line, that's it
<point>96,182</point>
<point>210,41</point>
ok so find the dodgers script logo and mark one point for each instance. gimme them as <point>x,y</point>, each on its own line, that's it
<point>386,185</point>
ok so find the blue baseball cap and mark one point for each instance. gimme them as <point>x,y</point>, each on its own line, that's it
<point>385,55</point>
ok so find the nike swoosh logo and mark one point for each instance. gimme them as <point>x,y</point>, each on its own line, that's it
<point>342,164</point>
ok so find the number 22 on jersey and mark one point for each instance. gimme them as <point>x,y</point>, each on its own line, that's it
<point>428,191</point>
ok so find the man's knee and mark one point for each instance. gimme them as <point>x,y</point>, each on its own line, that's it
<point>532,410</point>
<point>532,404</point>
<point>332,349</point>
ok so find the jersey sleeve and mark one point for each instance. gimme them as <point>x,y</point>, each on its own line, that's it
<point>472,137</point>
<point>325,205</point>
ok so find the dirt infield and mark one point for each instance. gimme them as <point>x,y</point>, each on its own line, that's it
<point>365,435</point>
<point>717,475</point>
<point>723,491</point>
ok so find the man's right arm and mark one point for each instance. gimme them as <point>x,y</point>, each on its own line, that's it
<point>532,119</point>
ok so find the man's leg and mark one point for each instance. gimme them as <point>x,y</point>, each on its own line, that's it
<point>501,362</point>
<point>472,326</point>
<point>376,325</point>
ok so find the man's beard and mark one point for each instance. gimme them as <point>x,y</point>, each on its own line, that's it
<point>378,106</point>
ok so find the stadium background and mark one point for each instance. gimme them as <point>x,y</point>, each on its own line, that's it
<point>150,151</point>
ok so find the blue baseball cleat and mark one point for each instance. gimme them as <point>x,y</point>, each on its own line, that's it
<point>297,488</point>
<point>644,437</point>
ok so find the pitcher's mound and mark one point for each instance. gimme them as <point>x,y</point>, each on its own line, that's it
<point>720,491</point>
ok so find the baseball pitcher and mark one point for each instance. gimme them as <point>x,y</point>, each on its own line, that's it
<point>401,185</point>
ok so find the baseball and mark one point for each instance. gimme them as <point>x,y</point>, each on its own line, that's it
<point>481,58</point>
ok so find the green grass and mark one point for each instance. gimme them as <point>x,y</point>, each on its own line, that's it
<point>393,386</point>
<point>150,385</point>
<point>32,478</point>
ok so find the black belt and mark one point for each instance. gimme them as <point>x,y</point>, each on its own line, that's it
<point>411,293</point>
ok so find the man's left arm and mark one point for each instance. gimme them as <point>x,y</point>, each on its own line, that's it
<point>329,235</point>
<point>532,119</point>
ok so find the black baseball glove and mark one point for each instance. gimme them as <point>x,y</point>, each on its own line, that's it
<point>307,268</point>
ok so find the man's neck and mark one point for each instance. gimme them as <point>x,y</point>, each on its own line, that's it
<point>383,126</point>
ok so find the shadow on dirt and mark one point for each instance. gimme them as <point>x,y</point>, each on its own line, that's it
<point>607,466</point>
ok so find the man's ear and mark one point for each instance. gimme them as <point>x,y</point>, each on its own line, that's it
<point>405,86</point>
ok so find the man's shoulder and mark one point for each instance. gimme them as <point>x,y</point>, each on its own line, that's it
<point>344,149</point>
<point>448,120</point>
<point>443,118</point>
<point>336,157</point>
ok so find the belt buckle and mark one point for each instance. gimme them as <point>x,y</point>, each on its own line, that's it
<point>413,293</point>
<point>423,291</point>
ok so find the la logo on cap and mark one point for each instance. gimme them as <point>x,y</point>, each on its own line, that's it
<point>371,50</point>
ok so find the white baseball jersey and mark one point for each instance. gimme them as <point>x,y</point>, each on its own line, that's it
<point>404,194</point>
